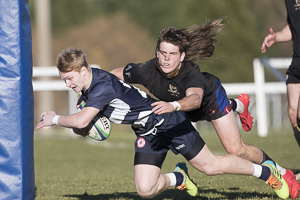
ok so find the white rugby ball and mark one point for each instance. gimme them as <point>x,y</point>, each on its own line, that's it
<point>101,126</point>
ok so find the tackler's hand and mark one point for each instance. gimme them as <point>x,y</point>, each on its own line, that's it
<point>161,107</point>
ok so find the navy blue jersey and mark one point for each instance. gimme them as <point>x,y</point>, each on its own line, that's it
<point>121,102</point>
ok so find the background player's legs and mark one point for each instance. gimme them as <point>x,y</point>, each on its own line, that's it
<point>293,92</point>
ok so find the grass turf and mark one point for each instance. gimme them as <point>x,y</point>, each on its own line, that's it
<point>83,169</point>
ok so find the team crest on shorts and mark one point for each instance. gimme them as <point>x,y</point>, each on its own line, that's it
<point>226,110</point>
<point>141,142</point>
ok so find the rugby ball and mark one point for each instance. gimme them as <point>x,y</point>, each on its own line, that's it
<point>101,126</point>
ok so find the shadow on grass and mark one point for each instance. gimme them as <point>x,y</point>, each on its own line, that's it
<point>204,193</point>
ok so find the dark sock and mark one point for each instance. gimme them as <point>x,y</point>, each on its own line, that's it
<point>297,134</point>
<point>266,157</point>
<point>265,174</point>
<point>179,178</point>
<point>232,104</point>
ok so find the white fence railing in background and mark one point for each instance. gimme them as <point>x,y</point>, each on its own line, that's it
<point>259,88</point>
<point>53,85</point>
<point>262,88</point>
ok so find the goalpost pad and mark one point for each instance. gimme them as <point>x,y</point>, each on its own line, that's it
<point>16,102</point>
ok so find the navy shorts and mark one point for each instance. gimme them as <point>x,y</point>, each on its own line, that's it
<point>176,134</point>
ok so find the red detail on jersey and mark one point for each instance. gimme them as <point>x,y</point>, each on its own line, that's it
<point>141,142</point>
<point>212,111</point>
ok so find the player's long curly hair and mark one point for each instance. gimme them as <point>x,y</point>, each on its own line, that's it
<point>196,41</point>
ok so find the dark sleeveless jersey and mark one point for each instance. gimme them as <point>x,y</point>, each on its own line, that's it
<point>293,19</point>
<point>174,89</point>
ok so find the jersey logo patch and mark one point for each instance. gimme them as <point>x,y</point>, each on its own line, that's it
<point>128,74</point>
<point>297,6</point>
<point>141,142</point>
<point>128,68</point>
<point>173,90</point>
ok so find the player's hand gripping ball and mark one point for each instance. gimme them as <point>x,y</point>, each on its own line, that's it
<point>101,126</point>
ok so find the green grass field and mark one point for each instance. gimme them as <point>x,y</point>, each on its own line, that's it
<point>80,168</point>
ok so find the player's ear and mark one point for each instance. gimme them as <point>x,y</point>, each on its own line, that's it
<point>182,56</point>
<point>83,70</point>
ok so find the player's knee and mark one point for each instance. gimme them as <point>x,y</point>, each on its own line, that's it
<point>145,192</point>
<point>213,168</point>
<point>208,167</point>
<point>238,151</point>
<point>209,170</point>
<point>145,195</point>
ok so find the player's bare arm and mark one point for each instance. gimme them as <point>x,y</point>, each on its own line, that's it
<point>118,72</point>
<point>78,120</point>
<point>284,35</point>
<point>192,101</point>
<point>281,36</point>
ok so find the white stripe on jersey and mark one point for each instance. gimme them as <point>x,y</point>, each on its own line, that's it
<point>143,118</point>
<point>120,111</point>
<point>144,94</point>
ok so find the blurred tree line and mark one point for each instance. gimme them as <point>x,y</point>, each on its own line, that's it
<point>238,43</point>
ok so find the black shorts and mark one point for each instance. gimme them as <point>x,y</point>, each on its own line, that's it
<point>176,134</point>
<point>293,74</point>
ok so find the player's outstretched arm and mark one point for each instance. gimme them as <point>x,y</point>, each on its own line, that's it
<point>268,41</point>
<point>192,101</point>
<point>78,120</point>
<point>46,119</point>
<point>284,35</point>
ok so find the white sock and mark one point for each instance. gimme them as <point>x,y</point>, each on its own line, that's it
<point>281,170</point>
<point>172,178</point>
<point>239,106</point>
<point>257,170</point>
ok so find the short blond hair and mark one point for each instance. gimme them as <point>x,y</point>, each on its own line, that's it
<point>70,59</point>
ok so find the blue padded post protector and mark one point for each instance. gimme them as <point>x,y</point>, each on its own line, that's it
<point>16,102</point>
